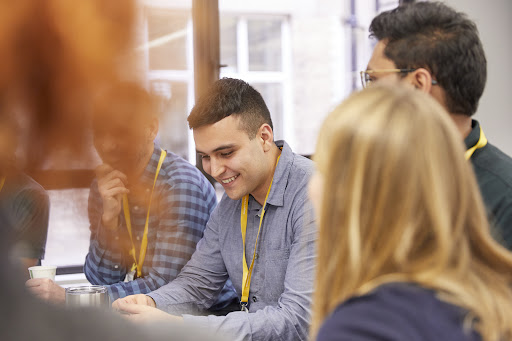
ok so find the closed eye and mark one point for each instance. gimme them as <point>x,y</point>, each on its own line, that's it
<point>227,154</point>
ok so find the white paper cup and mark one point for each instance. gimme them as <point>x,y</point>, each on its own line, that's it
<point>43,271</point>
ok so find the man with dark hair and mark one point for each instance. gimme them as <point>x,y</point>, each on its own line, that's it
<point>438,51</point>
<point>261,235</point>
<point>148,207</point>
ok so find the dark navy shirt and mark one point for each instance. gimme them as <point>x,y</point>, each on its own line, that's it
<point>397,312</point>
<point>493,170</point>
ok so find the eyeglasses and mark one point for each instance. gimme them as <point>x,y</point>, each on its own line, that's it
<point>366,79</point>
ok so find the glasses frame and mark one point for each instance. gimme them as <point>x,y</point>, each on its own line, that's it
<point>365,82</point>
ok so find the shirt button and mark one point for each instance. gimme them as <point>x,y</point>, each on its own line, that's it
<point>116,237</point>
<point>256,256</point>
<point>136,208</point>
<point>116,266</point>
<point>254,299</point>
<point>138,238</point>
<point>147,190</point>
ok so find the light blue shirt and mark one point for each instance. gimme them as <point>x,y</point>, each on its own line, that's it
<point>282,279</point>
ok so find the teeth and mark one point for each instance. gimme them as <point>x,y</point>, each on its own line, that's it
<point>227,181</point>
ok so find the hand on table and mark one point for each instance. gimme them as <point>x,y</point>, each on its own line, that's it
<point>141,309</point>
<point>139,299</point>
<point>46,289</point>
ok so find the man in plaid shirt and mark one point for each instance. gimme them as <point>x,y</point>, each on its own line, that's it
<point>178,197</point>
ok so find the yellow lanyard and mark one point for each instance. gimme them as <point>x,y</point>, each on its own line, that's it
<point>246,279</point>
<point>482,141</point>
<point>2,182</point>
<point>126,209</point>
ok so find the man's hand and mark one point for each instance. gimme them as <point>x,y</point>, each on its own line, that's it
<point>111,185</point>
<point>144,314</point>
<point>46,289</point>
<point>139,299</point>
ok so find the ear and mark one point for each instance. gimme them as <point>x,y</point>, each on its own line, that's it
<point>422,80</point>
<point>266,136</point>
<point>152,129</point>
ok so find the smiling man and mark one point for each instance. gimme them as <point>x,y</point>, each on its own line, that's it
<point>438,51</point>
<point>261,235</point>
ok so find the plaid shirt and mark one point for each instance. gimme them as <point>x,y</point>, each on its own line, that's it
<point>182,202</point>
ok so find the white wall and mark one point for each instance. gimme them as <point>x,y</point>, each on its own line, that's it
<point>494,21</point>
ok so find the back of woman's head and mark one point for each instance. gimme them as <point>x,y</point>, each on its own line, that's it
<point>400,202</point>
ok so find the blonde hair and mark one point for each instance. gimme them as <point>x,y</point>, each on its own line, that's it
<point>401,204</point>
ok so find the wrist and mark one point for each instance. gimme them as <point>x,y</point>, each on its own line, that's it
<point>110,223</point>
<point>61,294</point>
<point>151,301</point>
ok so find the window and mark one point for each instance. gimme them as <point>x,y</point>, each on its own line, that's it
<point>253,48</point>
<point>169,67</point>
<point>68,231</point>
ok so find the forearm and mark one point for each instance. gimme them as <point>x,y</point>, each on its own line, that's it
<point>192,292</point>
<point>270,323</point>
<point>103,264</point>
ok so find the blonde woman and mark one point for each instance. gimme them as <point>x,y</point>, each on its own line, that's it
<point>404,249</point>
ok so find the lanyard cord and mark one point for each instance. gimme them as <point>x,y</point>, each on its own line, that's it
<point>2,182</point>
<point>247,272</point>
<point>126,209</point>
<point>482,141</point>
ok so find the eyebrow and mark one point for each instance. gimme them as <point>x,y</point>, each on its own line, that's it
<point>228,146</point>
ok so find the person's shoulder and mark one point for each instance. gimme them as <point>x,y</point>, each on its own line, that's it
<point>395,312</point>
<point>26,188</point>
<point>24,181</point>
<point>176,170</point>
<point>303,164</point>
<point>301,168</point>
<point>494,162</point>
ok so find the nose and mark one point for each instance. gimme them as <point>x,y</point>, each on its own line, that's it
<point>216,167</point>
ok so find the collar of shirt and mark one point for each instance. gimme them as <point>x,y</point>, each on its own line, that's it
<point>276,196</point>
<point>148,176</point>
<point>474,135</point>
<point>140,190</point>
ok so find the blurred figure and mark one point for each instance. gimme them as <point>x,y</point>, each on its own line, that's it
<point>25,202</point>
<point>54,55</point>
<point>404,248</point>
<point>438,51</point>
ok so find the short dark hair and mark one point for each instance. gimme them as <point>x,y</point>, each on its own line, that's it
<point>229,96</point>
<point>436,37</point>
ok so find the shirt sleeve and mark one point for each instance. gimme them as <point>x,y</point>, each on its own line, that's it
<point>31,213</point>
<point>201,280</point>
<point>183,213</point>
<point>288,320</point>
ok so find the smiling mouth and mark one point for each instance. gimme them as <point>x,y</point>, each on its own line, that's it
<point>229,180</point>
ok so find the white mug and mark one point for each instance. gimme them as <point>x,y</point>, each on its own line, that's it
<point>43,271</point>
